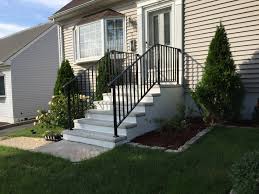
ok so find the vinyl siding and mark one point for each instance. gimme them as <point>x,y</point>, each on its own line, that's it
<point>34,73</point>
<point>128,8</point>
<point>241,20</point>
<point>6,103</point>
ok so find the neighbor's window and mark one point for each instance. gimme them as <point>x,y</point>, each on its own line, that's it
<point>2,85</point>
<point>95,38</point>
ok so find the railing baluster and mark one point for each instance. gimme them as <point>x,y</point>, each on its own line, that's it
<point>115,110</point>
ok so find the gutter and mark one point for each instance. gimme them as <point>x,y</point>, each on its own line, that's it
<point>60,14</point>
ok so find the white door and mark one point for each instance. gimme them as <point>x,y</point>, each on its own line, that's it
<point>159,28</point>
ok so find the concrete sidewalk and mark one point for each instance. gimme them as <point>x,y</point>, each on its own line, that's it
<point>75,152</point>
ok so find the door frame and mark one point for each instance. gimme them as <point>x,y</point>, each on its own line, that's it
<point>177,25</point>
<point>150,25</point>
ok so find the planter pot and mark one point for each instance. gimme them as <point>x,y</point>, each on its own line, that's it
<point>54,138</point>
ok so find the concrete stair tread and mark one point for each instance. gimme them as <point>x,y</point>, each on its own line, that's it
<point>94,135</point>
<point>148,95</point>
<point>110,112</point>
<point>104,123</point>
<point>125,103</point>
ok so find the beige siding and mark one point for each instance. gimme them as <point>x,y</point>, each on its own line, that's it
<point>241,19</point>
<point>128,8</point>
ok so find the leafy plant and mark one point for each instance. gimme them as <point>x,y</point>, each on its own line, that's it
<point>178,123</point>
<point>65,74</point>
<point>220,92</point>
<point>244,174</point>
<point>57,115</point>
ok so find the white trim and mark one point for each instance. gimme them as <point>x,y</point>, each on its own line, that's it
<point>144,8</point>
<point>31,43</point>
<point>60,14</point>
<point>60,44</point>
<point>3,75</point>
<point>103,21</point>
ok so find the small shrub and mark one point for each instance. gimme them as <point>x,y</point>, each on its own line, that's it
<point>178,123</point>
<point>244,174</point>
<point>220,92</point>
<point>65,74</point>
<point>57,115</point>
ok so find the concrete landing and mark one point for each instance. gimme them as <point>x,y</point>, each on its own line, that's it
<point>75,152</point>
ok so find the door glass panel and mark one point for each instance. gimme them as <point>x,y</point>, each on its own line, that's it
<point>156,29</point>
<point>167,28</point>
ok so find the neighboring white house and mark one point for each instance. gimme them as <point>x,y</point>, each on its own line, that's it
<point>28,67</point>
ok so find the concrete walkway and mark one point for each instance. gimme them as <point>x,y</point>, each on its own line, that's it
<point>75,152</point>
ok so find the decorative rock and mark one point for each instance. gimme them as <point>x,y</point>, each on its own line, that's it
<point>158,148</point>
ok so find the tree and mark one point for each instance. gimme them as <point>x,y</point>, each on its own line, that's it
<point>220,92</point>
<point>65,74</point>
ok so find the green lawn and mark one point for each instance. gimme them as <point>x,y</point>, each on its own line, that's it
<point>27,132</point>
<point>200,170</point>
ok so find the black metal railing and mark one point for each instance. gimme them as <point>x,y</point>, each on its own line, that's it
<point>87,86</point>
<point>158,64</point>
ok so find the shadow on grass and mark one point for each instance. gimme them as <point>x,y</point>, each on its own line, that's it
<point>201,169</point>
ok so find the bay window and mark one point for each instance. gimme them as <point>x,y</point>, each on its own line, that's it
<point>2,85</point>
<point>95,38</point>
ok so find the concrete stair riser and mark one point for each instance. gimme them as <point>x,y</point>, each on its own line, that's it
<point>164,101</point>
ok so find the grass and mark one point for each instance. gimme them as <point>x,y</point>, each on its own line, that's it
<point>27,132</point>
<point>203,169</point>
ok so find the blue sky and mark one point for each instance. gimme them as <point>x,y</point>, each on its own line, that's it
<point>16,15</point>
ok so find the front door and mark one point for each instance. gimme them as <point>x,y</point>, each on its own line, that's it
<point>159,28</point>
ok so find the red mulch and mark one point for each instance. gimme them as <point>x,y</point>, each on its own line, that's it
<point>169,140</point>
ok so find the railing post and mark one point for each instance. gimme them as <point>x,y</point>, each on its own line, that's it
<point>158,57</point>
<point>114,111</point>
<point>69,107</point>
<point>177,69</point>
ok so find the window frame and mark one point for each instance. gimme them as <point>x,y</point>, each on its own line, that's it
<point>3,75</point>
<point>103,32</point>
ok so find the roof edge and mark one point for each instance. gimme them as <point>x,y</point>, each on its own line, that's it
<point>62,13</point>
<point>9,57</point>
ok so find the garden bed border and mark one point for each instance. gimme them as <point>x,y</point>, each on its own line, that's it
<point>181,148</point>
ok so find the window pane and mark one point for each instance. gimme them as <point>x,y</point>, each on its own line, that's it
<point>156,30</point>
<point>2,86</point>
<point>167,29</point>
<point>90,40</point>
<point>114,34</point>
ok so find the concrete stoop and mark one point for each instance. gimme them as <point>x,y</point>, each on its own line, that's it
<point>97,126</point>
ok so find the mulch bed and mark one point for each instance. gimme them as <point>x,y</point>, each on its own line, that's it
<point>169,140</point>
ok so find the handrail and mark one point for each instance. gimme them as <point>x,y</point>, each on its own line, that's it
<point>160,63</point>
<point>84,89</point>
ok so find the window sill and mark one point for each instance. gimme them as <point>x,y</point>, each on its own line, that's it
<point>2,96</point>
<point>89,59</point>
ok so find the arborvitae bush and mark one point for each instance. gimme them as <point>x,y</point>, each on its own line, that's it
<point>65,74</point>
<point>103,75</point>
<point>220,92</point>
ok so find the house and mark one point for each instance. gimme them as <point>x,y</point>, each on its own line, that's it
<point>161,46</point>
<point>28,68</point>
